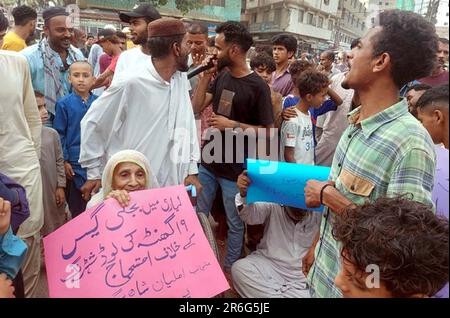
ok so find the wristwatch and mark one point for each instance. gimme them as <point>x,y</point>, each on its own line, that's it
<point>239,202</point>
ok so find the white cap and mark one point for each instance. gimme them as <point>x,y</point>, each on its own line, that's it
<point>110,26</point>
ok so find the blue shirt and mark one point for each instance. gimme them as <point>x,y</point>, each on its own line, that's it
<point>70,110</point>
<point>405,88</point>
<point>34,57</point>
<point>12,253</point>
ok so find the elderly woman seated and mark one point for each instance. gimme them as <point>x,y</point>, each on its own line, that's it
<point>126,171</point>
<point>129,171</point>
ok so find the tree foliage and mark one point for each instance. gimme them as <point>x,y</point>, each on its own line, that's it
<point>183,5</point>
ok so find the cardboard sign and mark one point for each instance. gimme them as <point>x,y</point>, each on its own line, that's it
<point>282,182</point>
<point>153,248</point>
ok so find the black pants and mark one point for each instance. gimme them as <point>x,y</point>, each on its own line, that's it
<point>74,199</point>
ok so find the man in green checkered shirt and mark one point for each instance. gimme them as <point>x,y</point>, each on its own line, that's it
<point>385,151</point>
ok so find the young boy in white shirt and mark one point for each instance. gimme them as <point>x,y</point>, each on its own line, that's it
<point>297,139</point>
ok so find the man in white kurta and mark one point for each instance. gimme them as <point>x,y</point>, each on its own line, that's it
<point>274,270</point>
<point>20,140</point>
<point>148,114</point>
<point>331,125</point>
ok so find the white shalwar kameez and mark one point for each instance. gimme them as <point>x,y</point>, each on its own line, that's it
<point>20,142</point>
<point>147,114</point>
<point>130,63</point>
<point>274,270</point>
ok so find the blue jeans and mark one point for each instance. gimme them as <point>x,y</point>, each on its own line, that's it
<point>235,225</point>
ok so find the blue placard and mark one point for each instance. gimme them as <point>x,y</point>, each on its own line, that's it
<point>282,182</point>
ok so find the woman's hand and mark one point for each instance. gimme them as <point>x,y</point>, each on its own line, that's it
<point>122,197</point>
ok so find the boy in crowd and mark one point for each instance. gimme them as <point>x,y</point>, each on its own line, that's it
<point>413,94</point>
<point>297,138</point>
<point>289,102</point>
<point>112,47</point>
<point>52,172</point>
<point>274,269</point>
<point>70,110</point>
<point>284,47</point>
<point>392,247</point>
<point>433,113</point>
<point>25,19</point>
<point>264,65</point>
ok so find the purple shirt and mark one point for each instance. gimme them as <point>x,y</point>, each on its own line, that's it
<point>283,83</point>
<point>435,80</point>
<point>440,195</point>
<point>15,193</point>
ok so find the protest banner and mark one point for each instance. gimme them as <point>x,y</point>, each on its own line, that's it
<point>282,182</point>
<point>153,248</point>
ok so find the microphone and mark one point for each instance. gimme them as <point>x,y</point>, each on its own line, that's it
<point>201,68</point>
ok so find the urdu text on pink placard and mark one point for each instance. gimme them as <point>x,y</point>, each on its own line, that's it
<point>153,248</point>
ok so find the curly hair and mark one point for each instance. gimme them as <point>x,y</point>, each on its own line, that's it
<point>404,238</point>
<point>264,48</point>
<point>299,66</point>
<point>286,40</point>
<point>236,33</point>
<point>436,97</point>
<point>264,60</point>
<point>23,14</point>
<point>311,82</point>
<point>411,43</point>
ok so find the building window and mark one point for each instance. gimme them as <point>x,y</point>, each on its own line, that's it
<point>259,17</point>
<point>217,3</point>
<point>266,16</point>
<point>309,18</point>
<point>320,25</point>
<point>330,24</point>
<point>254,15</point>
<point>326,2</point>
<point>277,18</point>
<point>301,14</point>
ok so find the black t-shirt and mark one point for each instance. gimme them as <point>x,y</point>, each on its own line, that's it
<point>246,100</point>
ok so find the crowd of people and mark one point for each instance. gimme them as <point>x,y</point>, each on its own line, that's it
<point>85,119</point>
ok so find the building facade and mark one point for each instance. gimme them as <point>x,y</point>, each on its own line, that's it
<point>94,13</point>
<point>351,24</point>
<point>312,22</point>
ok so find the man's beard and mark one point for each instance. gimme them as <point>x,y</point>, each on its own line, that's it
<point>140,41</point>
<point>222,63</point>
<point>183,64</point>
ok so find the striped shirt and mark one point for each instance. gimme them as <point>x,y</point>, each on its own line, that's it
<point>387,154</point>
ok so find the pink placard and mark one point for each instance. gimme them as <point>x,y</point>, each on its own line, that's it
<point>154,248</point>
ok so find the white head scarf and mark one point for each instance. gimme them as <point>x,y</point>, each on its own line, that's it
<point>131,156</point>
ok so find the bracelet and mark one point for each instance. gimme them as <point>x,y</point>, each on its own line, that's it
<point>321,191</point>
